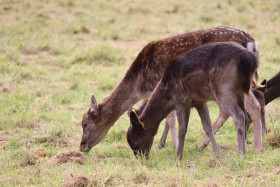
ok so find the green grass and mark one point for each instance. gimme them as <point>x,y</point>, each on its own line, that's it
<point>55,54</point>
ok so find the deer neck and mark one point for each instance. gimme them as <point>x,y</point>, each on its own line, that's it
<point>155,111</point>
<point>121,100</point>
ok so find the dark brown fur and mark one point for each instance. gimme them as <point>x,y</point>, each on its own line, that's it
<point>216,71</point>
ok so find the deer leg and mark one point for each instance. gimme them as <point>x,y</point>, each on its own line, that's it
<point>206,123</point>
<point>170,123</point>
<point>164,135</point>
<point>238,115</point>
<point>183,114</point>
<point>254,110</point>
<point>171,119</point>
<point>223,116</point>
<point>261,101</point>
<point>264,129</point>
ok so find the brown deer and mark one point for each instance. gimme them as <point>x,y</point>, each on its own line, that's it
<point>220,71</point>
<point>272,88</point>
<point>144,74</point>
<point>264,95</point>
<point>257,94</point>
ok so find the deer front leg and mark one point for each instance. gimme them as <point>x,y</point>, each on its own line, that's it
<point>183,114</point>
<point>254,110</point>
<point>206,123</point>
<point>169,124</point>
<point>223,116</point>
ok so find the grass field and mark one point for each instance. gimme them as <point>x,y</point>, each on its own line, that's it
<point>55,54</point>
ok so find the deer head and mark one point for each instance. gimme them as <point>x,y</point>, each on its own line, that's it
<point>93,130</point>
<point>137,137</point>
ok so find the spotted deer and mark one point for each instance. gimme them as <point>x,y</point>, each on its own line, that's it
<point>220,72</point>
<point>144,74</point>
<point>269,91</point>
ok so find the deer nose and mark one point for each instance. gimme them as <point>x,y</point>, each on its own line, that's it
<point>82,146</point>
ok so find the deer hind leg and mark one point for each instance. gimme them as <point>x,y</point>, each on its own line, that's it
<point>223,116</point>
<point>171,119</point>
<point>170,123</point>
<point>238,115</point>
<point>254,110</point>
<point>183,114</point>
<point>206,123</point>
<point>164,135</point>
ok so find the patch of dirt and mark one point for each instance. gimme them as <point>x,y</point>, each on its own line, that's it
<point>3,142</point>
<point>68,156</point>
<point>79,181</point>
<point>3,138</point>
<point>251,174</point>
<point>29,123</point>
<point>225,147</point>
<point>77,106</point>
<point>208,161</point>
<point>212,184</point>
<point>277,172</point>
<point>115,43</point>
<point>90,84</point>
<point>273,140</point>
<point>124,147</point>
<point>141,178</point>
<point>7,88</point>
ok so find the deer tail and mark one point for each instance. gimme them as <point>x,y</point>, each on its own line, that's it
<point>248,69</point>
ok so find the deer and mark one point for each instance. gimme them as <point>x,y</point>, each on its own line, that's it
<point>269,91</point>
<point>171,120</point>
<point>220,72</point>
<point>144,74</point>
<point>271,88</point>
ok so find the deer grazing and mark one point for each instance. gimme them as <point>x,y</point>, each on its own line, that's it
<point>144,74</point>
<point>271,88</point>
<point>254,114</point>
<point>265,94</point>
<point>221,72</point>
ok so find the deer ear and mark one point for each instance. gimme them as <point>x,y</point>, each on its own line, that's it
<point>93,105</point>
<point>134,120</point>
<point>263,87</point>
<point>264,82</point>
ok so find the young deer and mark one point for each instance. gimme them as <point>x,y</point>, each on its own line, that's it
<point>264,95</point>
<point>255,114</point>
<point>144,74</point>
<point>218,71</point>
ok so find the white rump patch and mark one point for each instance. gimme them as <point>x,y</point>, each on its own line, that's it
<point>252,46</point>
